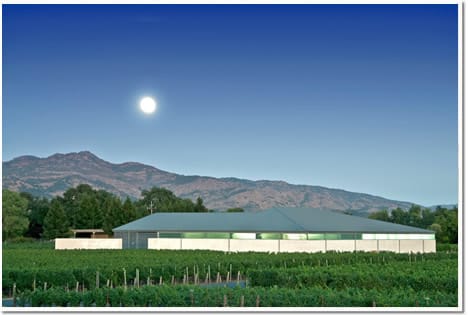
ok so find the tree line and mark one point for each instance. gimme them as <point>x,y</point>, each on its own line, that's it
<point>83,207</point>
<point>443,221</point>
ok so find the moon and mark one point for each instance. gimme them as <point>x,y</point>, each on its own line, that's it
<point>148,105</point>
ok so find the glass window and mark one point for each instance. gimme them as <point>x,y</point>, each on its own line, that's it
<point>244,236</point>
<point>368,236</point>
<point>193,235</point>
<point>392,236</point>
<point>269,236</point>
<point>332,236</point>
<point>169,235</point>
<point>217,235</point>
<point>205,235</point>
<point>312,236</point>
<point>348,236</point>
<point>294,236</point>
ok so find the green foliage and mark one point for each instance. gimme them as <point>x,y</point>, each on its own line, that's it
<point>291,270</point>
<point>188,296</point>
<point>85,208</point>
<point>422,275</point>
<point>448,222</point>
<point>56,223</point>
<point>163,200</point>
<point>286,279</point>
<point>28,243</point>
<point>37,211</point>
<point>113,214</point>
<point>128,212</point>
<point>156,200</point>
<point>89,215</point>
<point>14,214</point>
<point>447,248</point>
<point>443,221</point>
<point>381,215</point>
<point>199,207</point>
<point>235,210</point>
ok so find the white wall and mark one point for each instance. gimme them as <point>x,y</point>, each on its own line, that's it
<point>290,246</point>
<point>309,246</point>
<point>164,243</point>
<point>88,243</point>
<point>212,244</point>
<point>388,245</point>
<point>366,245</point>
<point>340,245</point>
<point>429,246</point>
<point>411,246</point>
<point>254,245</point>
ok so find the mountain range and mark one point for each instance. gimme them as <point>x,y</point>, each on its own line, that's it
<point>53,175</point>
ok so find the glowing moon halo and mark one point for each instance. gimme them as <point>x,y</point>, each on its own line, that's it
<point>148,105</point>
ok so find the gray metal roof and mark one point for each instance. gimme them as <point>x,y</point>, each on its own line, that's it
<point>272,220</point>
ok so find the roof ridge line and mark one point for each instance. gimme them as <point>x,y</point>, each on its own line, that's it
<point>291,220</point>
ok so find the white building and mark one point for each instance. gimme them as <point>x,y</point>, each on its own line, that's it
<point>273,230</point>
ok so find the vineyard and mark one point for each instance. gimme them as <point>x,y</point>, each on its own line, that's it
<point>44,277</point>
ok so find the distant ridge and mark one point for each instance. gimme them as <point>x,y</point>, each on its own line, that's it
<point>53,175</point>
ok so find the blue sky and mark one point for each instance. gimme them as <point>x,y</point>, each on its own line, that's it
<point>357,97</point>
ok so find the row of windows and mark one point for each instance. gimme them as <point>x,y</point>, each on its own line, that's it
<point>369,236</point>
<point>297,236</point>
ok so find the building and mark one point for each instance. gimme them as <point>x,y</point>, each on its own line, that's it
<point>273,230</point>
<point>89,233</point>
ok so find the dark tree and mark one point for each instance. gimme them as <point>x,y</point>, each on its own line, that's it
<point>113,214</point>
<point>14,214</point>
<point>381,215</point>
<point>37,211</point>
<point>235,210</point>
<point>444,222</point>
<point>89,216</point>
<point>128,211</point>
<point>199,206</point>
<point>56,223</point>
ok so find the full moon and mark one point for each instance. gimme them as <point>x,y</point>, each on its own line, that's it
<point>147,105</point>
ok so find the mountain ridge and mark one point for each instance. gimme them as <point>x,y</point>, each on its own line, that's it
<point>51,176</point>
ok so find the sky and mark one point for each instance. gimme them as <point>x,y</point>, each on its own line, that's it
<point>355,97</point>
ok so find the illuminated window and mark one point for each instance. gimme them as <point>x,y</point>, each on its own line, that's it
<point>269,236</point>
<point>371,236</point>
<point>169,235</point>
<point>244,236</point>
<point>332,236</point>
<point>294,236</point>
<point>350,236</point>
<point>205,235</point>
<point>312,236</point>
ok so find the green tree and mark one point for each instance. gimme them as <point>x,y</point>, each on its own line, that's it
<point>56,223</point>
<point>436,228</point>
<point>400,216</point>
<point>444,222</point>
<point>182,205</point>
<point>199,206</point>
<point>128,211</point>
<point>235,210</point>
<point>381,215</point>
<point>448,222</point>
<point>428,218</point>
<point>14,214</point>
<point>89,215</point>
<point>72,199</point>
<point>415,216</point>
<point>113,214</point>
<point>37,210</point>
<point>161,200</point>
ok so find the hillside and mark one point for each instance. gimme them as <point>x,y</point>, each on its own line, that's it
<point>53,175</point>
